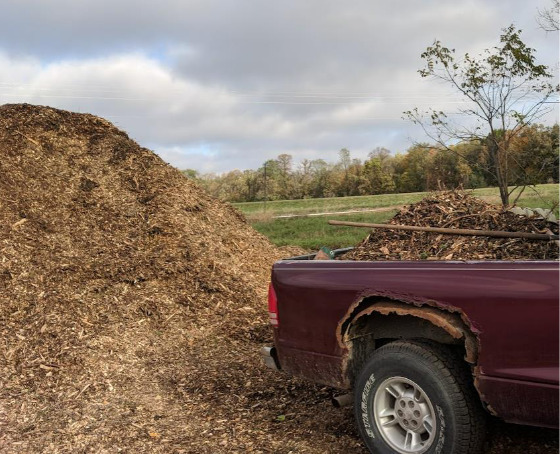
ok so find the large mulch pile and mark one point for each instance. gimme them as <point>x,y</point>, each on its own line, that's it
<point>132,304</point>
<point>132,307</point>
<point>457,210</point>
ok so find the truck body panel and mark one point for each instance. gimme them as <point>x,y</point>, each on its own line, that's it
<point>511,307</point>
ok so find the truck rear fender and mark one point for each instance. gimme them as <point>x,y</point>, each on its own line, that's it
<point>451,325</point>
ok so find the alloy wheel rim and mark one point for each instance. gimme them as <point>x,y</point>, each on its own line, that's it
<point>404,415</point>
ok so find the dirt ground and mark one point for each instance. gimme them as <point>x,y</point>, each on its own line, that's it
<point>133,305</point>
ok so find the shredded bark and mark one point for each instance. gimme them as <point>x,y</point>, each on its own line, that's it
<point>457,209</point>
<point>133,305</point>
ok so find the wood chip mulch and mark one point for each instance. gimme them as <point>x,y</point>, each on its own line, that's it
<point>457,209</point>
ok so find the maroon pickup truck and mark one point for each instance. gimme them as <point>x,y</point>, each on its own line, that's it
<point>429,348</point>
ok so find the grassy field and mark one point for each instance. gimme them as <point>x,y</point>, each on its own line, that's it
<point>305,206</point>
<point>313,232</point>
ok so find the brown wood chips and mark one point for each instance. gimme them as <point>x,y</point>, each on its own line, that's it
<point>457,209</point>
<point>132,304</point>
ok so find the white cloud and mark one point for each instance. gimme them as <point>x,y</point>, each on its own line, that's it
<point>223,84</point>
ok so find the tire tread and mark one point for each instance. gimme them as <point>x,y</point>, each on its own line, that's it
<point>457,380</point>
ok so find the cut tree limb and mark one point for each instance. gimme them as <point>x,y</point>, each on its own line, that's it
<point>446,231</point>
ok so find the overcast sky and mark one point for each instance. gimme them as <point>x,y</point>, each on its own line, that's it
<point>217,85</point>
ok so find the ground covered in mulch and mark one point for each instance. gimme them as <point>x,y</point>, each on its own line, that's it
<point>457,210</point>
<point>132,306</point>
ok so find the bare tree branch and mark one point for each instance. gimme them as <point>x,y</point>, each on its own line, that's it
<point>548,18</point>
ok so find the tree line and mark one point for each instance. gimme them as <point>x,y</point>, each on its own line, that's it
<point>533,159</point>
<point>495,143</point>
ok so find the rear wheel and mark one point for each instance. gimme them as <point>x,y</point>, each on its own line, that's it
<point>415,398</point>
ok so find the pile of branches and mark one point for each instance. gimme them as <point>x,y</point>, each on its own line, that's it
<point>457,210</point>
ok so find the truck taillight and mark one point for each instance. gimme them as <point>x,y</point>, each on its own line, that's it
<point>272,305</point>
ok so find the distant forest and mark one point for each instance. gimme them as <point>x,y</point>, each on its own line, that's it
<point>423,167</point>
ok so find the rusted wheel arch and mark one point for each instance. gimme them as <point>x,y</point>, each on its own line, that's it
<point>449,320</point>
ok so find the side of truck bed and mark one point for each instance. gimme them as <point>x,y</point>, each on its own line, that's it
<point>331,315</point>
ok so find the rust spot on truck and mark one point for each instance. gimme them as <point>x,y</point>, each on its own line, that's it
<point>476,380</point>
<point>444,316</point>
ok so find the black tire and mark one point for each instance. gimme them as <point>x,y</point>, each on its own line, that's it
<point>448,417</point>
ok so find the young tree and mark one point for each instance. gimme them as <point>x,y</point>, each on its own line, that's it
<point>505,90</point>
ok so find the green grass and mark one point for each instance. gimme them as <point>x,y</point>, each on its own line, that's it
<point>548,192</point>
<point>305,206</point>
<point>313,232</point>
